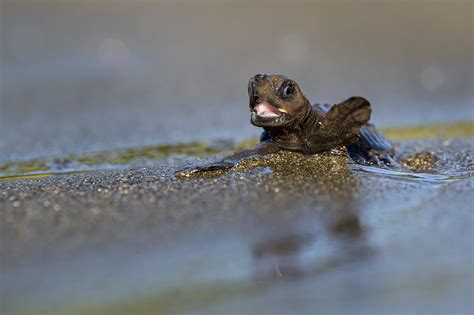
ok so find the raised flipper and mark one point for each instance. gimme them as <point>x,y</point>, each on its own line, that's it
<point>229,161</point>
<point>340,125</point>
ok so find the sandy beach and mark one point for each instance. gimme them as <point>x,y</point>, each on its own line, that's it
<point>271,222</point>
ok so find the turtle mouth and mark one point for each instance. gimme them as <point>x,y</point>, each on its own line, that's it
<point>265,114</point>
<point>266,110</point>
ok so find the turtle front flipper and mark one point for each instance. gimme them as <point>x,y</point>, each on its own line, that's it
<point>229,161</point>
<point>340,125</point>
<point>199,169</point>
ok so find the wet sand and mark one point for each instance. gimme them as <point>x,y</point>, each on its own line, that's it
<point>283,232</point>
<point>94,85</point>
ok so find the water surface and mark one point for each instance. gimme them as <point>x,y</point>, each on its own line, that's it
<point>317,234</point>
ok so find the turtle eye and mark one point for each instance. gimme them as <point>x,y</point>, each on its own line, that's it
<point>288,90</point>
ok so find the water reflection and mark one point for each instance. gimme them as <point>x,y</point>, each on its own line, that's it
<point>291,254</point>
<point>278,258</point>
<point>314,226</point>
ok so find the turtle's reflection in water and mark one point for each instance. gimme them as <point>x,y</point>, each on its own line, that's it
<point>294,254</point>
<point>315,227</point>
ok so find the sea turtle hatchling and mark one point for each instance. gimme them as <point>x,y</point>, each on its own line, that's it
<point>291,123</point>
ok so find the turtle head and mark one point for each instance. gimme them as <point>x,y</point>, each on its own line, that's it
<point>275,101</point>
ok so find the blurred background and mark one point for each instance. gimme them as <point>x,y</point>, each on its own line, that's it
<point>79,76</point>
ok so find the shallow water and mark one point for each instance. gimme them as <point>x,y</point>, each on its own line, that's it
<point>148,155</point>
<point>272,237</point>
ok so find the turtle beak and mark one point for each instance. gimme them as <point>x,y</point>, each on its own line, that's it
<point>255,81</point>
<point>253,85</point>
<point>253,101</point>
<point>253,98</point>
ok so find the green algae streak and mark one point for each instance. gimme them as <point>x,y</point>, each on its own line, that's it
<point>125,157</point>
<point>463,129</point>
